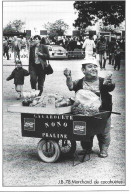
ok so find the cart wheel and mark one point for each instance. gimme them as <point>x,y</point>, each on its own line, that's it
<point>48,150</point>
<point>67,147</point>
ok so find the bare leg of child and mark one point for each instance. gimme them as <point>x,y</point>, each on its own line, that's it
<point>19,89</point>
<point>19,95</point>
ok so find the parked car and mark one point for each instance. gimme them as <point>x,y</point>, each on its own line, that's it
<point>57,51</point>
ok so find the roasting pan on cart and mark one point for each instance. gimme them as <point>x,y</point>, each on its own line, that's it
<point>58,129</point>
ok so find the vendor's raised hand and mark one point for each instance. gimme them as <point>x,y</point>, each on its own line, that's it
<point>107,81</point>
<point>67,72</point>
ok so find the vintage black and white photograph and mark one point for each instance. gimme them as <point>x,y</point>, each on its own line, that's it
<point>63,67</point>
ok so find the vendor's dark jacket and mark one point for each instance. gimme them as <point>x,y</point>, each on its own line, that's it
<point>106,97</point>
<point>18,75</point>
<point>44,50</point>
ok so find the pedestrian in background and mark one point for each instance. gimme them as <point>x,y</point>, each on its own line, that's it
<point>72,44</point>
<point>37,62</point>
<point>122,44</point>
<point>78,43</point>
<point>16,47</point>
<point>18,75</point>
<point>111,50</point>
<point>89,46</point>
<point>101,48</point>
<point>66,43</point>
<point>117,58</point>
<point>6,48</point>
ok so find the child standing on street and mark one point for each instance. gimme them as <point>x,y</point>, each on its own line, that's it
<point>18,75</point>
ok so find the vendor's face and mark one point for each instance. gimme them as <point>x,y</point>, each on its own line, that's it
<point>90,70</point>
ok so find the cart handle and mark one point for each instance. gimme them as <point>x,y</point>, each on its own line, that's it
<point>117,113</point>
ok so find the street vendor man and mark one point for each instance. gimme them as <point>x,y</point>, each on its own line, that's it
<point>102,88</point>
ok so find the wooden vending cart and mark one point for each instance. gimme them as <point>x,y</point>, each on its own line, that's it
<point>58,128</point>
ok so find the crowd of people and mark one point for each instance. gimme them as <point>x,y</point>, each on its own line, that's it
<point>14,45</point>
<point>100,47</point>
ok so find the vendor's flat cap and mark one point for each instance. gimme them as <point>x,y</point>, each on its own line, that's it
<point>89,61</point>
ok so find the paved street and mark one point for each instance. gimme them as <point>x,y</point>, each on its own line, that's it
<point>21,165</point>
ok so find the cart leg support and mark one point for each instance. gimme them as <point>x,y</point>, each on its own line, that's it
<point>80,157</point>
